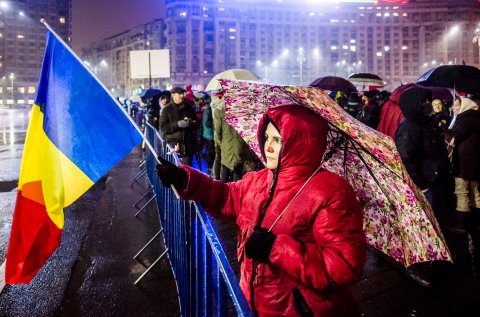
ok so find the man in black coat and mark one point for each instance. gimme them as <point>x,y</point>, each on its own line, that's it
<point>425,157</point>
<point>178,123</point>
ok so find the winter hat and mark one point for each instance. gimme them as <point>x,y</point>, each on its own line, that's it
<point>467,104</point>
<point>411,101</point>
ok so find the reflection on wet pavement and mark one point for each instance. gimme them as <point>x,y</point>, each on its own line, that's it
<point>13,130</point>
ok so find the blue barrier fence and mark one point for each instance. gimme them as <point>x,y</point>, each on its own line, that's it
<point>206,283</point>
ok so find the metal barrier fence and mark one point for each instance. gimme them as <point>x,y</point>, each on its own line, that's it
<point>205,280</point>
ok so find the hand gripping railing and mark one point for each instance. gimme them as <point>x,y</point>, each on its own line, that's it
<point>206,283</point>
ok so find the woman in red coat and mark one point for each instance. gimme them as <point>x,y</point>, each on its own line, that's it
<point>300,240</point>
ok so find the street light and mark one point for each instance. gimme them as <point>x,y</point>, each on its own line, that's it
<point>12,78</point>
<point>266,67</point>
<point>300,60</point>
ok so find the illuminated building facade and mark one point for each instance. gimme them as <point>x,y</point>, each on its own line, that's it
<point>109,59</point>
<point>22,44</point>
<point>296,41</point>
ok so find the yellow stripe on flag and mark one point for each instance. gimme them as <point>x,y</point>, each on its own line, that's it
<point>62,181</point>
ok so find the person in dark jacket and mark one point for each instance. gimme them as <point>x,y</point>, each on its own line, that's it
<point>178,123</point>
<point>299,255</point>
<point>466,168</point>
<point>424,154</point>
<point>370,112</point>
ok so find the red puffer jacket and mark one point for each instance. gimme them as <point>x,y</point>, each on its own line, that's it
<point>320,245</point>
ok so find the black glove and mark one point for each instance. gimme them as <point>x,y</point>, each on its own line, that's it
<point>170,174</point>
<point>259,245</point>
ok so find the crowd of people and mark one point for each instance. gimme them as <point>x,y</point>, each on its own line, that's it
<point>193,124</point>
<point>439,143</point>
<point>307,262</point>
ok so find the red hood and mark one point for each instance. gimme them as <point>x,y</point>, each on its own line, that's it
<point>304,135</point>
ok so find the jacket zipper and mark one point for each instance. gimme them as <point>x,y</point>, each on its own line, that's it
<point>253,278</point>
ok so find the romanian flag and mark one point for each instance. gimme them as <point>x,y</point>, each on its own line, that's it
<point>77,132</point>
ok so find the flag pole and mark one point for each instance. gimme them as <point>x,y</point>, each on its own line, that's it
<point>149,145</point>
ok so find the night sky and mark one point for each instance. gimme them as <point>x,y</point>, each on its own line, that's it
<point>94,20</point>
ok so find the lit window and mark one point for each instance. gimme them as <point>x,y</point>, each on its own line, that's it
<point>21,90</point>
<point>333,47</point>
<point>20,36</point>
<point>386,48</point>
<point>345,47</point>
<point>379,14</point>
<point>379,54</point>
<point>31,90</point>
<point>404,47</point>
<point>405,14</point>
<point>353,48</point>
<point>395,14</point>
<point>62,20</point>
<point>352,41</point>
<point>1,90</point>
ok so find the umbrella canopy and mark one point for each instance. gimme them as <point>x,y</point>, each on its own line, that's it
<point>149,93</point>
<point>465,78</point>
<point>334,83</point>
<point>397,218</point>
<point>367,79</point>
<point>441,93</point>
<point>238,74</point>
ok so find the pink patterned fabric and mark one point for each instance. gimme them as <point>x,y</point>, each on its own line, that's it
<point>397,218</point>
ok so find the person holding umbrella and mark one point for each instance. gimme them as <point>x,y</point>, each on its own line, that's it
<point>301,243</point>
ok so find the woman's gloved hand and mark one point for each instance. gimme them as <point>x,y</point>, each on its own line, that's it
<point>170,174</point>
<point>259,245</point>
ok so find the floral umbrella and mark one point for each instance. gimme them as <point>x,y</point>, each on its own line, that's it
<point>397,218</point>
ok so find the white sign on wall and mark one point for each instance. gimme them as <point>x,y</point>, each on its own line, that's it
<point>150,64</point>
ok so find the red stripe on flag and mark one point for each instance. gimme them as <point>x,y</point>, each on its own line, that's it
<point>33,238</point>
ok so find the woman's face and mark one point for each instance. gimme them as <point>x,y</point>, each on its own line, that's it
<point>456,106</point>
<point>273,145</point>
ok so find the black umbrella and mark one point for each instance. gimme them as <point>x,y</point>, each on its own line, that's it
<point>149,93</point>
<point>334,83</point>
<point>464,78</point>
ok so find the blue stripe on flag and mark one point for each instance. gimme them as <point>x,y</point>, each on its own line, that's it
<point>80,117</point>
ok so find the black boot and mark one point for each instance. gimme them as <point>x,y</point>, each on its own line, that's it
<point>474,235</point>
